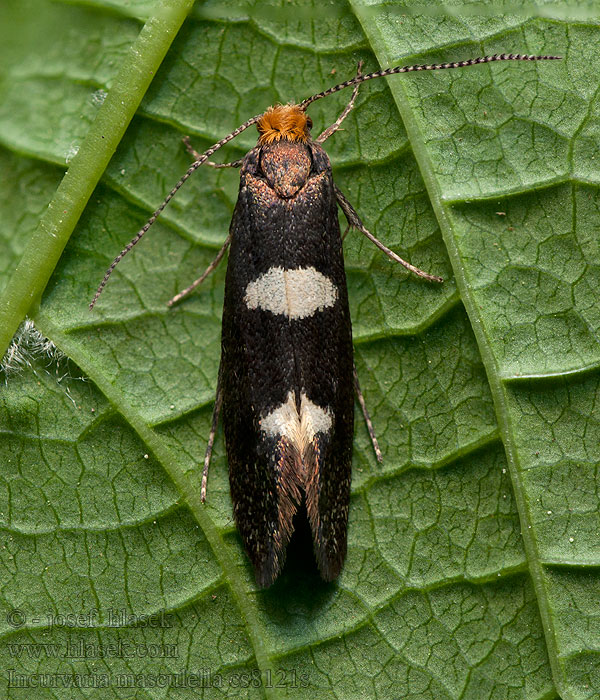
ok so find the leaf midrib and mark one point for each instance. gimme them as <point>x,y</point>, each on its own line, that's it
<point>440,207</point>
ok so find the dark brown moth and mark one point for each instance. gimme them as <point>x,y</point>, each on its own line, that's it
<point>287,378</point>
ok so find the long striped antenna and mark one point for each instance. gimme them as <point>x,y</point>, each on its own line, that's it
<point>304,104</point>
<point>188,173</point>
<point>433,66</point>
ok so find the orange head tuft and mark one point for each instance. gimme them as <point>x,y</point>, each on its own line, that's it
<point>283,122</point>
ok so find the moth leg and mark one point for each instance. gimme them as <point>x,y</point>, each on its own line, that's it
<point>211,437</point>
<point>233,164</point>
<point>178,297</point>
<point>190,149</point>
<point>355,222</point>
<point>367,417</point>
<point>349,107</point>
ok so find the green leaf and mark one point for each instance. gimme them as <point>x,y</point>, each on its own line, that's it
<point>473,560</point>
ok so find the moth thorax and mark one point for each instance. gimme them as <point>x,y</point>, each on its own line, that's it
<point>286,166</point>
<point>283,122</point>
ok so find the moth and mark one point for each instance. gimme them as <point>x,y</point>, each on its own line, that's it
<point>287,378</point>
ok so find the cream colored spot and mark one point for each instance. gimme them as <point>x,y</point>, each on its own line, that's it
<point>299,428</point>
<point>293,293</point>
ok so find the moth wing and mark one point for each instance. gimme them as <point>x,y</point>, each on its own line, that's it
<point>278,365</point>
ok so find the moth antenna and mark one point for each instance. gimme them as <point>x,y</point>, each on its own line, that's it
<point>433,66</point>
<point>193,167</point>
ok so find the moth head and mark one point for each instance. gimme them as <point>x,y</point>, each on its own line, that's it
<point>288,122</point>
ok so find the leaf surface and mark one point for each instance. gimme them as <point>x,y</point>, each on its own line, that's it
<point>472,569</point>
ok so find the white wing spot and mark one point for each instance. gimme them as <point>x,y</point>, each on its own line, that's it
<point>299,428</point>
<point>292,293</point>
